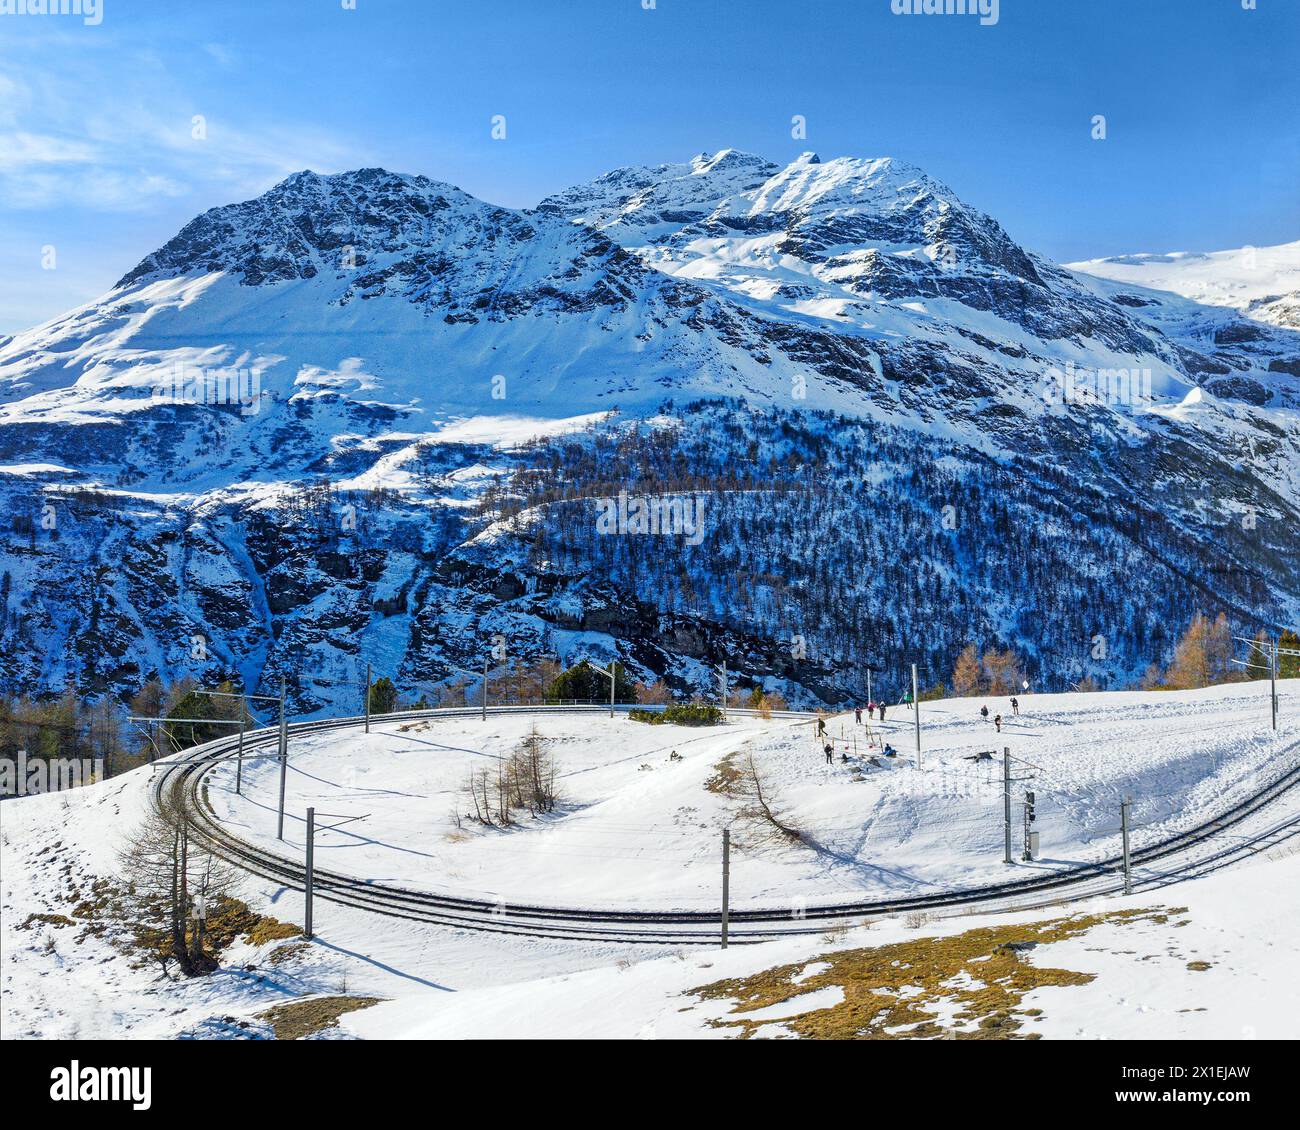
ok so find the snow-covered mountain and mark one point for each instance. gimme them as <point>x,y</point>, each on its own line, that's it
<point>1262,282</point>
<point>434,390</point>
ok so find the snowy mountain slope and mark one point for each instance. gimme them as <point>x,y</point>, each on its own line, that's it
<point>366,300</point>
<point>1261,282</point>
<point>412,346</point>
<point>873,246</point>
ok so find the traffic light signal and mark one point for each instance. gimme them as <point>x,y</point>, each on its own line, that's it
<point>1029,807</point>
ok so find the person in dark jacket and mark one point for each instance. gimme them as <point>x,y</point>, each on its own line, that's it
<point>998,723</point>
<point>830,753</point>
<point>984,713</point>
<point>857,715</point>
<point>1015,706</point>
<point>882,711</point>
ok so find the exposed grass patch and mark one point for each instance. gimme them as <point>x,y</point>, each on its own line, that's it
<point>48,919</point>
<point>286,952</point>
<point>727,776</point>
<point>307,1017</point>
<point>258,929</point>
<point>1200,966</point>
<point>892,992</point>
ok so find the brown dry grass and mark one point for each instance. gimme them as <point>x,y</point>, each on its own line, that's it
<point>986,1002</point>
<point>727,776</point>
<point>297,1019</point>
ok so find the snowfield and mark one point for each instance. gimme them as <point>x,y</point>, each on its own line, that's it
<point>1211,957</point>
<point>638,829</point>
<point>1224,969</point>
<point>1262,282</point>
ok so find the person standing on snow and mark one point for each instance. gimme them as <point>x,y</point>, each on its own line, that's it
<point>984,713</point>
<point>882,711</point>
<point>821,726</point>
<point>1015,706</point>
<point>998,723</point>
<point>830,753</point>
<point>857,715</point>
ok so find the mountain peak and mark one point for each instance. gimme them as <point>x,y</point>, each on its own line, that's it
<point>300,226</point>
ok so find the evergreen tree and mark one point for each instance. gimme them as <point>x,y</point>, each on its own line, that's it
<point>383,696</point>
<point>584,683</point>
<point>1288,666</point>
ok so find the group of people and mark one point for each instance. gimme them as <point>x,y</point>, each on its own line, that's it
<point>875,709</point>
<point>872,707</point>
<point>997,718</point>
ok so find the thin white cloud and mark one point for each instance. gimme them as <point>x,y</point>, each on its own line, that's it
<point>62,143</point>
<point>20,150</point>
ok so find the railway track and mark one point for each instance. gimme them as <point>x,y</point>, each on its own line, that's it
<point>1247,828</point>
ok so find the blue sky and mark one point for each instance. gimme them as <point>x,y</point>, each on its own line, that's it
<point>98,161</point>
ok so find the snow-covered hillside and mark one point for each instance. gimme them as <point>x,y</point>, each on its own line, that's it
<point>413,365</point>
<point>638,828</point>
<point>1211,960</point>
<point>1169,961</point>
<point>1261,282</point>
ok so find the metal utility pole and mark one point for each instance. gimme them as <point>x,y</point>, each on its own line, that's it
<point>723,679</point>
<point>239,758</point>
<point>726,882</point>
<point>1123,827</point>
<point>1272,650</point>
<point>311,870</point>
<point>309,887</point>
<point>1272,681</point>
<point>868,684</point>
<point>485,677</point>
<point>916,710</point>
<point>284,763</point>
<point>611,675</point>
<point>367,698</point>
<point>1006,802</point>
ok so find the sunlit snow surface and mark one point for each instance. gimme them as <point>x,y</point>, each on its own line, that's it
<point>1182,755</point>
<point>638,829</point>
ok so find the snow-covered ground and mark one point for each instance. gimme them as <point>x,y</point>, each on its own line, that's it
<point>1259,281</point>
<point>1214,959</point>
<point>638,829</point>
<point>1224,967</point>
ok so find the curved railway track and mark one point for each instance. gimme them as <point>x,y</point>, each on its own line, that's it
<point>1245,829</point>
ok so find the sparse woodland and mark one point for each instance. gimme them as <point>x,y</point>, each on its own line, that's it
<point>522,782</point>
